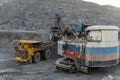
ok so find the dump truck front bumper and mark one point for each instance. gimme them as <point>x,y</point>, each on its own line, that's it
<point>21,60</point>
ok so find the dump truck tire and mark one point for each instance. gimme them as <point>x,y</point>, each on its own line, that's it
<point>36,57</point>
<point>47,53</point>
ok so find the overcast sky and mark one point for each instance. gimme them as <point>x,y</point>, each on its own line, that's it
<point>115,3</point>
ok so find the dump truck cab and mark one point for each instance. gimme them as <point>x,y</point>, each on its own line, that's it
<point>30,51</point>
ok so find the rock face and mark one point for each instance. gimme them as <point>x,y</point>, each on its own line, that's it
<point>36,14</point>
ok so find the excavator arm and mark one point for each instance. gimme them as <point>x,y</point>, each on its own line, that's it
<point>60,29</point>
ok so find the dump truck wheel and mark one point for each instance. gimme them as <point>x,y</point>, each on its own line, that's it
<point>36,57</point>
<point>47,54</point>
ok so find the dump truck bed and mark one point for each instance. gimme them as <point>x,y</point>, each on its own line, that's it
<point>46,44</point>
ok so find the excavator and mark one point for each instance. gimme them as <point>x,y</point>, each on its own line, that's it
<point>85,47</point>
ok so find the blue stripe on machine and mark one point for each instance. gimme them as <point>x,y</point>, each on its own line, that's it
<point>60,46</point>
<point>97,50</point>
<point>101,50</point>
<point>69,47</point>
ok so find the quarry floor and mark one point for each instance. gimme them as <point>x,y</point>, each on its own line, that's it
<point>44,70</point>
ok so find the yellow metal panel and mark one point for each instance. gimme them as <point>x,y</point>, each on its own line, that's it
<point>27,41</point>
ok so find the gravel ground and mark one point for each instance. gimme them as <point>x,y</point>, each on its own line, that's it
<point>44,70</point>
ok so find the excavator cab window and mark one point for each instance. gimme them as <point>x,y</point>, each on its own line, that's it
<point>94,35</point>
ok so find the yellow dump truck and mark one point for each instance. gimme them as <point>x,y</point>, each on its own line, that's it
<point>31,51</point>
